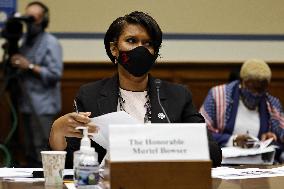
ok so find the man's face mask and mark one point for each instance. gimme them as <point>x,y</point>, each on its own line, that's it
<point>137,61</point>
<point>251,100</point>
<point>33,29</point>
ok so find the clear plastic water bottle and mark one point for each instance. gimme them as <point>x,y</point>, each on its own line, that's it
<point>85,144</point>
<point>87,170</point>
<point>86,165</point>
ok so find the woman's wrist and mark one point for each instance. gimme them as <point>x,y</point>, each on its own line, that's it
<point>57,140</point>
<point>235,140</point>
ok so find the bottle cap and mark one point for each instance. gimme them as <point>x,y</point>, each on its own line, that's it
<point>85,146</point>
<point>85,141</point>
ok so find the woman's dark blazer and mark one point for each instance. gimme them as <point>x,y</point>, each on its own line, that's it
<point>101,97</point>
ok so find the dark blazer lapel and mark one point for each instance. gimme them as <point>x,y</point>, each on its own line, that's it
<point>156,110</point>
<point>107,102</point>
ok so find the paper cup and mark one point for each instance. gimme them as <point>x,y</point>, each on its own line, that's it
<point>53,165</point>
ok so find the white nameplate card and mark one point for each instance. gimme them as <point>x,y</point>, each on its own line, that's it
<point>156,142</point>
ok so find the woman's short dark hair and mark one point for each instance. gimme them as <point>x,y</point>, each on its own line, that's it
<point>136,17</point>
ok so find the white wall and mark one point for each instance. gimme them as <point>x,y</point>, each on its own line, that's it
<point>184,50</point>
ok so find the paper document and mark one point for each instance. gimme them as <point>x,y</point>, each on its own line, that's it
<point>18,172</point>
<point>260,154</point>
<point>228,152</point>
<point>102,122</point>
<point>262,147</point>
<point>27,180</point>
<point>264,144</point>
<point>72,186</point>
<point>232,173</point>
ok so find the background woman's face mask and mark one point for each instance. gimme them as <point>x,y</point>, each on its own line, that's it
<point>251,100</point>
<point>137,61</point>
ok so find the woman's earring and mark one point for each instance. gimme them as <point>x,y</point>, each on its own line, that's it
<point>115,60</point>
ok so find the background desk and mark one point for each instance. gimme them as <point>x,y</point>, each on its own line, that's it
<point>260,183</point>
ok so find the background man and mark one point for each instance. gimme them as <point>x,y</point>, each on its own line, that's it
<point>40,65</point>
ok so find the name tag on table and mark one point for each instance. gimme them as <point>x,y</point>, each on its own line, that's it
<point>156,142</point>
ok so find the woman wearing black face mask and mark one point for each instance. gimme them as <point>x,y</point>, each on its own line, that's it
<point>132,43</point>
<point>242,110</point>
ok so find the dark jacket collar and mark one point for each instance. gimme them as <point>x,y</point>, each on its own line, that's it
<point>109,98</point>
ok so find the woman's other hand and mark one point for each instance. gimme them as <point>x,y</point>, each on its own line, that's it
<point>268,135</point>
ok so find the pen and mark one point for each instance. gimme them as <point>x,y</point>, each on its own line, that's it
<point>252,141</point>
<point>77,111</point>
<point>252,137</point>
<point>75,106</point>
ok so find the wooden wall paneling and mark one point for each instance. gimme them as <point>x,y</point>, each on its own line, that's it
<point>5,120</point>
<point>199,77</point>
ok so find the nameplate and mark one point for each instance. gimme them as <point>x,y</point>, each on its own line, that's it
<point>156,142</point>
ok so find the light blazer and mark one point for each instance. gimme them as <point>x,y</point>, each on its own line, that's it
<point>101,97</point>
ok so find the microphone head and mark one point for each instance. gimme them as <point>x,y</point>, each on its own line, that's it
<point>158,83</point>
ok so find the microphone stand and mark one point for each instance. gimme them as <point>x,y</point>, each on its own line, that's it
<point>158,84</point>
<point>9,76</point>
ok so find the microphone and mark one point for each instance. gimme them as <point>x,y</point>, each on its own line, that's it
<point>158,83</point>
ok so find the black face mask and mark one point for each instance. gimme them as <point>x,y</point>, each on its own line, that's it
<point>137,61</point>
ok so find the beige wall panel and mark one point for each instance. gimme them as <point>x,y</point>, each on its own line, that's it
<point>174,16</point>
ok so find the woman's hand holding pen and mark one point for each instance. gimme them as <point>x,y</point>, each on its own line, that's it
<point>247,141</point>
<point>65,126</point>
<point>243,141</point>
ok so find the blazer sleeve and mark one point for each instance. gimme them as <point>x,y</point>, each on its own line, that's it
<point>73,144</point>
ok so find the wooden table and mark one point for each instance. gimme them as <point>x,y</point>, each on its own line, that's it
<point>21,185</point>
<point>259,183</point>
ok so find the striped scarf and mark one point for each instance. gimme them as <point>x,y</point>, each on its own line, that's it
<point>220,107</point>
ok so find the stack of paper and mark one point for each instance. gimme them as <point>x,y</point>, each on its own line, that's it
<point>232,173</point>
<point>20,174</point>
<point>263,154</point>
<point>17,172</point>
